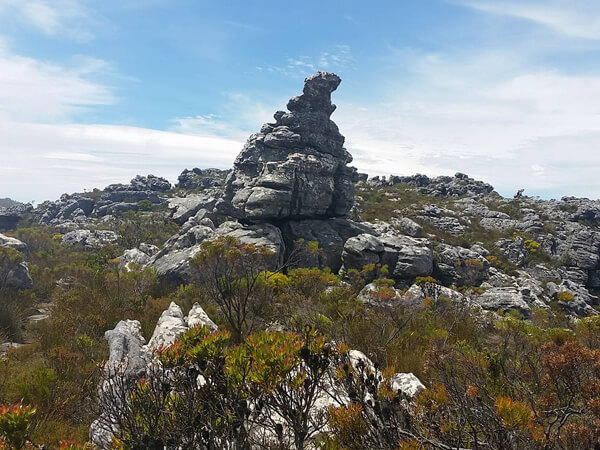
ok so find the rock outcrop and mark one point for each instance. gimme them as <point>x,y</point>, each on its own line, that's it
<point>90,239</point>
<point>295,167</point>
<point>201,179</point>
<point>18,276</point>
<point>405,256</point>
<point>115,199</point>
<point>12,213</point>
<point>290,182</point>
<point>172,262</point>
<point>130,359</point>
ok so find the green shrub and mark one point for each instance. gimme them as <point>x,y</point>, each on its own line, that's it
<point>565,296</point>
<point>15,425</point>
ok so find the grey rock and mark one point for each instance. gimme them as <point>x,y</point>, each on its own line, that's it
<point>90,239</point>
<point>126,347</point>
<point>115,209</point>
<point>330,234</point>
<point>371,296</point>
<point>405,257</point>
<point>170,325</point>
<point>7,241</point>
<point>416,294</point>
<point>19,278</point>
<point>135,256</point>
<point>296,167</point>
<point>198,317</point>
<point>407,383</point>
<point>63,209</point>
<point>172,262</point>
<point>444,186</point>
<point>183,208</point>
<point>504,299</point>
<point>461,266</point>
<point>409,227</point>
<point>150,183</point>
<point>583,302</point>
<point>11,213</point>
<point>441,218</point>
<point>201,179</point>
<point>514,250</point>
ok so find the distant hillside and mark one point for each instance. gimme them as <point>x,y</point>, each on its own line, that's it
<point>8,202</point>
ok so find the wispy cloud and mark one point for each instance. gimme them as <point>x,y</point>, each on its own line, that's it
<point>51,159</point>
<point>520,128</point>
<point>35,90</point>
<point>576,18</point>
<point>338,58</point>
<point>56,17</point>
<point>245,26</point>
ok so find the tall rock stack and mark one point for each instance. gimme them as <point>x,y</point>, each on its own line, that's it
<point>295,168</point>
<point>291,181</point>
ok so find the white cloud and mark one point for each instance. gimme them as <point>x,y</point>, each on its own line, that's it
<point>575,18</point>
<point>34,90</point>
<point>56,17</point>
<point>519,127</point>
<point>338,57</point>
<point>49,159</point>
<point>43,154</point>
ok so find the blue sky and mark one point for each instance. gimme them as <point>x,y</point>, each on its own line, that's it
<point>94,92</point>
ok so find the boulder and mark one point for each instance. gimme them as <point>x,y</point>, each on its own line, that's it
<point>405,257</point>
<point>460,265</point>
<point>172,262</point>
<point>7,241</point>
<point>170,325</point>
<point>185,207</point>
<point>416,294</point>
<point>90,239</point>
<point>296,167</point>
<point>11,213</point>
<point>198,317</point>
<point>18,277</point>
<point>407,383</point>
<point>409,227</point>
<point>65,209</point>
<point>133,256</point>
<point>201,179</point>
<point>504,299</point>
<point>150,183</point>
<point>330,234</point>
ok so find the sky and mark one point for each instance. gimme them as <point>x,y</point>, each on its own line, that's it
<point>96,92</point>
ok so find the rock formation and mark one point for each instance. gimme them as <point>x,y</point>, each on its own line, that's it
<point>114,200</point>
<point>18,276</point>
<point>11,213</point>
<point>131,358</point>
<point>296,167</point>
<point>201,179</point>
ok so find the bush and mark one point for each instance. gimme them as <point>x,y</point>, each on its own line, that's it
<point>15,425</point>
<point>565,296</point>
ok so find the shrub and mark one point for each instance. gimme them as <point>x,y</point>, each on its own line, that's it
<point>15,424</point>
<point>565,296</point>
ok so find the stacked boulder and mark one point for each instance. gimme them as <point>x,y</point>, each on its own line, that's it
<point>292,182</point>
<point>296,167</point>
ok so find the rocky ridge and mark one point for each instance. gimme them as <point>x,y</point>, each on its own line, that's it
<point>292,180</point>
